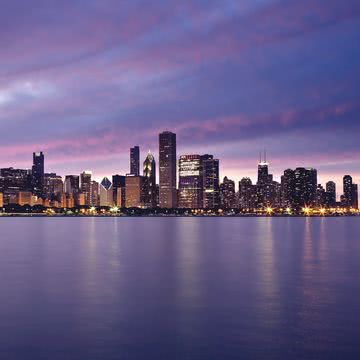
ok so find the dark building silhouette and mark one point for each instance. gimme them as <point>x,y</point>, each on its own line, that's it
<point>320,200</point>
<point>348,191</point>
<point>12,181</point>
<point>227,193</point>
<point>37,174</point>
<point>330,195</point>
<point>247,196</point>
<point>288,189</point>
<point>305,187</point>
<point>149,172</point>
<point>135,161</point>
<point>211,186</point>
<point>119,192</point>
<point>167,170</point>
<point>190,182</point>
<point>268,190</point>
<point>355,196</point>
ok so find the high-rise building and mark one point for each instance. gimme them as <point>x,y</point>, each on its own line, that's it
<point>348,190</point>
<point>190,182</point>
<point>135,161</point>
<point>305,187</point>
<point>288,189</point>
<point>85,187</point>
<point>330,195</point>
<point>149,172</point>
<point>53,186</point>
<point>106,193</point>
<point>167,166</point>
<point>227,193</point>
<point>72,185</point>
<point>247,194</point>
<point>135,192</point>
<point>211,186</point>
<point>38,174</point>
<point>320,196</point>
<point>119,190</point>
<point>266,187</point>
<point>94,189</point>
<point>355,196</point>
<point>12,181</point>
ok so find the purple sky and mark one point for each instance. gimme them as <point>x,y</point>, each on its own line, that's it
<point>84,80</point>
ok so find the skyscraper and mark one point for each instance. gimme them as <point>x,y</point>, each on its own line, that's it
<point>106,193</point>
<point>227,193</point>
<point>330,195</point>
<point>288,189</point>
<point>72,185</point>
<point>38,174</point>
<point>135,161</point>
<point>348,190</point>
<point>85,187</point>
<point>12,181</point>
<point>119,190</point>
<point>355,196</point>
<point>53,186</point>
<point>149,172</point>
<point>268,193</point>
<point>94,201</point>
<point>135,192</point>
<point>247,194</point>
<point>305,187</point>
<point>190,182</point>
<point>211,186</point>
<point>167,166</point>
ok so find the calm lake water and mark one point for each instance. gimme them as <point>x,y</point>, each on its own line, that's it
<point>179,288</point>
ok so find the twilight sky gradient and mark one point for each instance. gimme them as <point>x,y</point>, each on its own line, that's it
<point>84,80</point>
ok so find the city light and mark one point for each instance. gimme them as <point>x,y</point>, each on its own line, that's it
<point>193,187</point>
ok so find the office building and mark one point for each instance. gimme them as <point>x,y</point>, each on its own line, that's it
<point>37,174</point>
<point>135,161</point>
<point>119,192</point>
<point>94,189</point>
<point>106,193</point>
<point>72,185</point>
<point>227,194</point>
<point>190,182</point>
<point>85,186</point>
<point>305,187</point>
<point>247,197</point>
<point>211,185</point>
<point>330,195</point>
<point>348,191</point>
<point>167,167</point>
<point>149,172</point>
<point>135,191</point>
<point>53,186</point>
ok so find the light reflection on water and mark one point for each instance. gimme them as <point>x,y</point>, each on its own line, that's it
<point>179,288</point>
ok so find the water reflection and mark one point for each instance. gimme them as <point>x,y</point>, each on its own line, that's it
<point>179,288</point>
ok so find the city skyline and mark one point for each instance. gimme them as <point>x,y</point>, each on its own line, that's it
<point>228,79</point>
<point>263,158</point>
<point>187,181</point>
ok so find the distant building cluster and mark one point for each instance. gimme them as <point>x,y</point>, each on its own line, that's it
<point>198,186</point>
